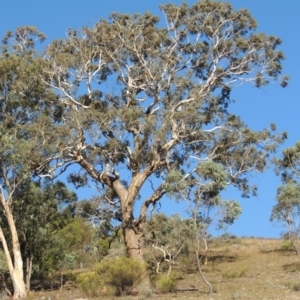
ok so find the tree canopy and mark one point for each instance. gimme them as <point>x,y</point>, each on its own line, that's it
<point>140,105</point>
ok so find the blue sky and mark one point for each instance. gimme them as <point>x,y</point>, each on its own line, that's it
<point>258,108</point>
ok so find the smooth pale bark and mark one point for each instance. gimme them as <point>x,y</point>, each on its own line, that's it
<point>15,265</point>
<point>15,269</point>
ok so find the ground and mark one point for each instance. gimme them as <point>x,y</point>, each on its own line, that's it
<point>239,268</point>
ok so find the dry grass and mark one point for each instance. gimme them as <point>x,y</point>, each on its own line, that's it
<point>238,269</point>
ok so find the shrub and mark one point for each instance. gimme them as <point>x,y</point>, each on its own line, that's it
<point>90,283</point>
<point>287,246</point>
<point>93,285</point>
<point>166,284</point>
<point>121,273</point>
<point>111,277</point>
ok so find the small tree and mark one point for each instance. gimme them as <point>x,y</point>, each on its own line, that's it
<point>287,212</point>
<point>206,206</point>
<point>40,210</point>
<point>168,236</point>
<point>287,209</point>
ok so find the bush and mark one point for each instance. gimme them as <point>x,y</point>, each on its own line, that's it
<point>111,277</point>
<point>121,273</point>
<point>90,283</point>
<point>166,284</point>
<point>93,285</point>
<point>287,246</point>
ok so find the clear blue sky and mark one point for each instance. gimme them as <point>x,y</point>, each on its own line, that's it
<point>258,108</point>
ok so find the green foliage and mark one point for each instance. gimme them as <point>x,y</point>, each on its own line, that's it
<point>287,212</point>
<point>169,237</point>
<point>214,175</point>
<point>76,234</point>
<point>166,284</point>
<point>112,276</point>
<point>174,183</point>
<point>169,116</point>
<point>167,123</point>
<point>287,208</point>
<point>121,273</point>
<point>69,261</point>
<point>206,203</point>
<point>90,283</point>
<point>287,245</point>
<point>104,245</point>
<point>172,231</point>
<point>289,164</point>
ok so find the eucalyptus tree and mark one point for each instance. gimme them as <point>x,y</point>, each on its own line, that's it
<point>40,210</point>
<point>168,236</point>
<point>22,98</point>
<point>287,209</point>
<point>286,212</point>
<point>144,103</point>
<point>207,208</point>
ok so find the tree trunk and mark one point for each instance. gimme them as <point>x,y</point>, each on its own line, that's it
<point>18,284</point>
<point>15,265</point>
<point>15,269</point>
<point>169,270</point>
<point>201,273</point>
<point>134,243</point>
<point>28,272</point>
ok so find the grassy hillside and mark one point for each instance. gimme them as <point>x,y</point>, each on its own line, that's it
<point>237,268</point>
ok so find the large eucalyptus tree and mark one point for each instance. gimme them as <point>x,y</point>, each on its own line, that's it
<point>143,102</point>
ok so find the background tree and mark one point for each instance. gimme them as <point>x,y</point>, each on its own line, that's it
<point>287,212</point>
<point>105,218</point>
<point>288,166</point>
<point>22,95</point>
<point>162,102</point>
<point>168,236</point>
<point>207,208</point>
<point>39,211</point>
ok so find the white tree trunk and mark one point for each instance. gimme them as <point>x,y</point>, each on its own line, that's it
<point>15,265</point>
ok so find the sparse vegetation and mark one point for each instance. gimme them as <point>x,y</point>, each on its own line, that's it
<point>296,287</point>
<point>166,284</point>
<point>111,277</point>
<point>244,273</point>
<point>235,274</point>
